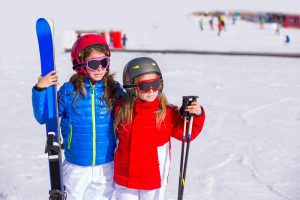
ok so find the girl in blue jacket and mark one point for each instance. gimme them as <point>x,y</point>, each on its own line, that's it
<point>85,106</point>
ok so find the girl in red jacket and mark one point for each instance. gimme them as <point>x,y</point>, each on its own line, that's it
<point>144,123</point>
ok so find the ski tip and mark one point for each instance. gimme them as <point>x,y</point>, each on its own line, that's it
<point>45,18</point>
<point>40,20</point>
<point>50,21</point>
<point>45,23</point>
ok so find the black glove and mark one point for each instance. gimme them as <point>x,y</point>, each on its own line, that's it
<point>186,101</point>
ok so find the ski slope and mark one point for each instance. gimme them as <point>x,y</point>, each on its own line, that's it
<point>249,147</point>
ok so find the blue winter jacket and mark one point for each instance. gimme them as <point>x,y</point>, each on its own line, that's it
<point>87,128</point>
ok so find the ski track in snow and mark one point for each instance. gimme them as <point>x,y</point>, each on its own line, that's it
<point>256,175</point>
<point>227,160</point>
<point>247,115</point>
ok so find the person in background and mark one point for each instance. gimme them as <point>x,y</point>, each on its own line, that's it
<point>277,30</point>
<point>262,22</point>
<point>111,38</point>
<point>234,17</point>
<point>219,28</point>
<point>211,23</point>
<point>124,40</point>
<point>201,24</point>
<point>222,20</point>
<point>287,40</point>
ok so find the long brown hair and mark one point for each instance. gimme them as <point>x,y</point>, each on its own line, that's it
<point>125,114</point>
<point>110,93</point>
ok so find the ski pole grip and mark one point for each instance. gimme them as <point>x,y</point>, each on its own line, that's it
<point>186,101</point>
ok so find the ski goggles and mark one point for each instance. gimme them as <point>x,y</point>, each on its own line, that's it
<point>146,85</point>
<point>93,64</point>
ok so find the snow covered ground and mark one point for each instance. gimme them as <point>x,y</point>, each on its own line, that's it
<point>249,147</point>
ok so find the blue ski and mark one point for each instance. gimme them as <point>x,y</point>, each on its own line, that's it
<point>44,31</point>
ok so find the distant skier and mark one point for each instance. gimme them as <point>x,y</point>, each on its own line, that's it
<point>219,28</point>
<point>85,104</point>
<point>222,20</point>
<point>277,30</point>
<point>211,23</point>
<point>144,124</point>
<point>262,22</point>
<point>287,40</point>
<point>124,40</point>
<point>201,24</point>
<point>111,39</point>
<point>234,17</point>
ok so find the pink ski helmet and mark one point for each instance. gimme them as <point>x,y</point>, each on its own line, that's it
<point>82,43</point>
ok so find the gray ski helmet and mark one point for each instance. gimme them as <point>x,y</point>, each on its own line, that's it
<point>137,67</point>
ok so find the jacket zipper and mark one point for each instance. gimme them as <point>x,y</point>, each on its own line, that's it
<point>94,126</point>
<point>70,137</point>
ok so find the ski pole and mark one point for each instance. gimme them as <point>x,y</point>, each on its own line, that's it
<point>186,156</point>
<point>187,100</point>
<point>182,156</point>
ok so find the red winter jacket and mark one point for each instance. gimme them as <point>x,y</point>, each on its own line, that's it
<point>136,161</point>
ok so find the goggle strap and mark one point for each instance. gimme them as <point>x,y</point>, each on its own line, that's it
<point>130,86</point>
<point>79,65</point>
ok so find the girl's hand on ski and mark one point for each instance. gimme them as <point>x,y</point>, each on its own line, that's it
<point>50,79</point>
<point>194,108</point>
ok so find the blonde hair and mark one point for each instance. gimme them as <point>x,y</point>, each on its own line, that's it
<point>110,93</point>
<point>124,115</point>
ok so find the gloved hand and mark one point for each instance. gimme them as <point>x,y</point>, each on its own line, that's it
<point>190,106</point>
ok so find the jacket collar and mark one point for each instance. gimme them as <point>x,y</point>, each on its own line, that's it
<point>88,83</point>
<point>145,107</point>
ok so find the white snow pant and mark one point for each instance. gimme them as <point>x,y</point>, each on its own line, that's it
<point>88,183</point>
<point>124,193</point>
